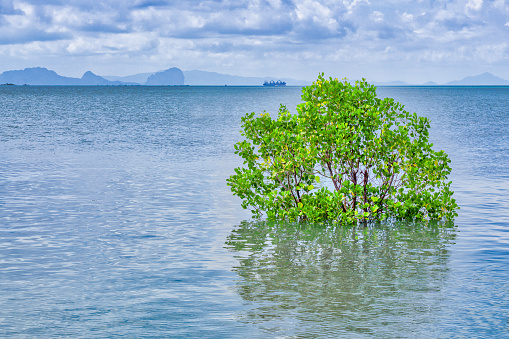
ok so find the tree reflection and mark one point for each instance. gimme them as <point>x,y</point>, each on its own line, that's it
<point>382,279</point>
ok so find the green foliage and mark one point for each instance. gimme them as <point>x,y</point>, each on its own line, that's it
<point>346,156</point>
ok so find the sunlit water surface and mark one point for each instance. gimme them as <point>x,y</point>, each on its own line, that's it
<point>115,221</point>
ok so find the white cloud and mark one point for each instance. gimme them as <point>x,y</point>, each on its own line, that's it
<point>296,38</point>
<point>377,16</point>
<point>492,52</point>
<point>276,4</point>
<point>406,17</point>
<point>473,5</point>
<point>351,5</point>
<point>314,11</point>
<point>113,44</point>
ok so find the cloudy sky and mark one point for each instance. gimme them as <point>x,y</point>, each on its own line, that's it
<point>410,40</point>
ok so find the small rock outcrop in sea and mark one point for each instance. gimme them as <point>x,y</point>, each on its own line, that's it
<point>91,79</point>
<point>170,77</point>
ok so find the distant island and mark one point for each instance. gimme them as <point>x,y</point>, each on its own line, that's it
<point>176,77</point>
<point>204,78</point>
<point>484,79</point>
<point>170,77</point>
<point>41,76</point>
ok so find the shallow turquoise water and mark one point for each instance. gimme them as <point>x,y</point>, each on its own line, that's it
<point>115,220</point>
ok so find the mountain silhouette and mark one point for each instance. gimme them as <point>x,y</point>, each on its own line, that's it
<point>485,79</point>
<point>42,76</point>
<point>169,77</point>
<point>36,76</point>
<point>205,78</point>
<point>175,77</point>
<point>91,79</point>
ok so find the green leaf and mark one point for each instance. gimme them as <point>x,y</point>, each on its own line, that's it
<point>358,144</point>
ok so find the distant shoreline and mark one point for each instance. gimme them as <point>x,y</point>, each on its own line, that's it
<point>260,86</point>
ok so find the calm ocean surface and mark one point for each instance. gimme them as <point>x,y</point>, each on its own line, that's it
<point>116,221</point>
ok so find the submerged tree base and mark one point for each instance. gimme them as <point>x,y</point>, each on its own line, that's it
<point>346,156</point>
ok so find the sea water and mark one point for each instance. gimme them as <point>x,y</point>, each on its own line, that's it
<point>116,221</point>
